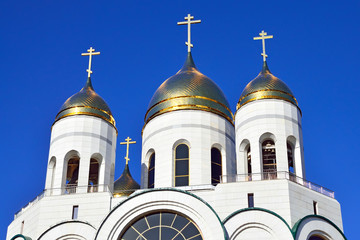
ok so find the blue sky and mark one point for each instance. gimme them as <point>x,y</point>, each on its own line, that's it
<point>315,51</point>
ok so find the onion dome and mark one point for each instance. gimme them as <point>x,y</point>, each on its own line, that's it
<point>266,86</point>
<point>125,184</point>
<point>188,89</point>
<point>86,102</point>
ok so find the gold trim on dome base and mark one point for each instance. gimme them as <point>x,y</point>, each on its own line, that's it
<point>264,90</point>
<point>238,106</point>
<point>198,97</point>
<point>188,107</point>
<point>88,114</point>
<point>83,106</point>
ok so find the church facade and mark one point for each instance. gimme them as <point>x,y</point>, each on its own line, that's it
<point>206,172</point>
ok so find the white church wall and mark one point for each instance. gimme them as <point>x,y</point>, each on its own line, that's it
<point>269,117</point>
<point>50,210</point>
<point>200,130</point>
<point>302,200</point>
<point>87,136</point>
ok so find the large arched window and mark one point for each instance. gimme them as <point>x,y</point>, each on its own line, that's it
<point>290,154</point>
<point>216,166</point>
<point>93,175</point>
<point>181,165</point>
<point>151,171</point>
<point>72,174</point>
<point>269,159</point>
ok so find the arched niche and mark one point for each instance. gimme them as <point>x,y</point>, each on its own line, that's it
<point>94,172</point>
<point>71,172</point>
<point>216,163</point>
<point>181,160</point>
<point>51,173</point>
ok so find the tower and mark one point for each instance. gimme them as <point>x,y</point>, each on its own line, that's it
<point>188,131</point>
<point>83,143</point>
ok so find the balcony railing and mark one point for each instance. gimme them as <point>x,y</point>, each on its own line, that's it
<point>276,175</point>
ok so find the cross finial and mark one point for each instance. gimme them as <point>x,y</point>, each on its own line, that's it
<point>128,142</point>
<point>90,53</point>
<point>263,36</point>
<point>188,23</point>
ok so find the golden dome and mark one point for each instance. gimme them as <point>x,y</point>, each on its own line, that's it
<point>125,184</point>
<point>86,102</point>
<point>266,86</point>
<point>188,89</point>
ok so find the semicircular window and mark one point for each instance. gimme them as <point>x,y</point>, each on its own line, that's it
<point>161,226</point>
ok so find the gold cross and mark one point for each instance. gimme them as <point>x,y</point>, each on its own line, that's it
<point>90,53</point>
<point>189,22</point>
<point>128,139</point>
<point>263,36</point>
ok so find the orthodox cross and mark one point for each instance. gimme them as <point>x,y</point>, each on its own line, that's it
<point>90,53</point>
<point>128,142</point>
<point>189,22</point>
<point>263,36</point>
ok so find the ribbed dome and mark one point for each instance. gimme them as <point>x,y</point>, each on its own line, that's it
<point>266,86</point>
<point>188,89</point>
<point>125,184</point>
<point>86,102</point>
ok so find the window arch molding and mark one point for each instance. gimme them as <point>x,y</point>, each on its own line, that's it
<point>181,163</point>
<point>318,235</point>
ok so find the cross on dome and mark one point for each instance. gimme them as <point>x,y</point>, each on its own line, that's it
<point>90,53</point>
<point>188,23</point>
<point>128,142</point>
<point>263,36</point>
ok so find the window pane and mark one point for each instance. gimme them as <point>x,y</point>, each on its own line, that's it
<point>216,167</point>
<point>182,151</point>
<point>151,172</point>
<point>181,181</point>
<point>153,219</point>
<point>181,167</point>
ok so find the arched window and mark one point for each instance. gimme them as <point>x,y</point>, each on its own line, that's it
<point>151,171</point>
<point>216,166</point>
<point>269,159</point>
<point>93,175</point>
<point>290,154</point>
<point>181,165</point>
<point>248,158</point>
<point>51,172</point>
<point>72,174</point>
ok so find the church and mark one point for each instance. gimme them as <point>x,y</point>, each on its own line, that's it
<point>206,172</point>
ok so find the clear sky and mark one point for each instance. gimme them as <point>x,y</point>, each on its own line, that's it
<point>315,50</point>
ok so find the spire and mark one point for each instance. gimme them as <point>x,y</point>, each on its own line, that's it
<point>265,68</point>
<point>88,84</point>
<point>189,63</point>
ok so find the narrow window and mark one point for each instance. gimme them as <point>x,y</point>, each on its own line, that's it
<point>250,200</point>
<point>151,172</point>
<point>75,212</point>
<point>216,166</point>
<point>181,165</point>
<point>290,155</point>
<point>315,205</point>
<point>93,175</point>
<point>22,227</point>
<point>249,168</point>
<point>269,159</point>
<point>72,175</point>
